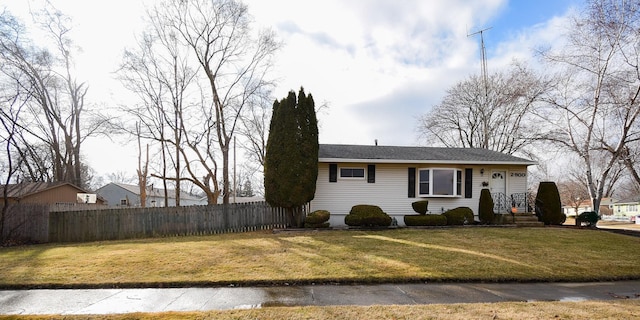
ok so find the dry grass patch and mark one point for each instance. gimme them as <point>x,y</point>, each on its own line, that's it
<point>618,309</point>
<point>457,254</point>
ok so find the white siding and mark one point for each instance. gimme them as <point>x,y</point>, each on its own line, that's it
<point>390,190</point>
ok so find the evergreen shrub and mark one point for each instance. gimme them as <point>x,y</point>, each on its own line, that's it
<point>548,205</point>
<point>420,206</point>
<point>317,219</point>
<point>459,216</point>
<point>363,215</point>
<point>589,217</point>
<point>485,208</point>
<point>425,220</point>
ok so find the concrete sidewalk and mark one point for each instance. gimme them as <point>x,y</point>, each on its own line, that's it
<point>108,301</point>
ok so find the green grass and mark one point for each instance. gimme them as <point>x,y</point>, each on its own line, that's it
<point>456,254</point>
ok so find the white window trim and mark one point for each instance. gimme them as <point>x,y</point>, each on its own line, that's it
<point>364,175</point>
<point>431,184</point>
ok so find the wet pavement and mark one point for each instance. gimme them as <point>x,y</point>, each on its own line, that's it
<point>111,301</point>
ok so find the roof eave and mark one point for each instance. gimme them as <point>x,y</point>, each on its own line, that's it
<point>397,161</point>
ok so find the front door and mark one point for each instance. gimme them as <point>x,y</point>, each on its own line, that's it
<point>499,191</point>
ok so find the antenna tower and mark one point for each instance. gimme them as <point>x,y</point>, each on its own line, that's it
<point>484,59</point>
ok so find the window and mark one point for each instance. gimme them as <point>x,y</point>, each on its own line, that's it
<point>123,202</point>
<point>357,173</point>
<point>632,208</point>
<point>440,182</point>
<point>425,182</point>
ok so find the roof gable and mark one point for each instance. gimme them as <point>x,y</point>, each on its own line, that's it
<point>25,189</point>
<point>400,154</point>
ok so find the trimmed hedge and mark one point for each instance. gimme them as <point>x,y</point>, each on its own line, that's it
<point>589,217</point>
<point>425,220</point>
<point>317,219</point>
<point>420,206</point>
<point>363,215</point>
<point>548,205</point>
<point>459,216</point>
<point>485,208</point>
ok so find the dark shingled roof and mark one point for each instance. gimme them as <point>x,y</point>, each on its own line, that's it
<point>333,152</point>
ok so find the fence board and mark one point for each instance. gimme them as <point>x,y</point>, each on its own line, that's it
<point>129,223</point>
<point>25,223</point>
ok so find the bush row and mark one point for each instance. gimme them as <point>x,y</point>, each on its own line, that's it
<point>458,216</point>
<point>372,216</point>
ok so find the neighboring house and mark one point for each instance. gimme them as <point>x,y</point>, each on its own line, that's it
<point>51,193</point>
<point>393,177</point>
<point>626,209</point>
<point>128,195</point>
<point>586,205</point>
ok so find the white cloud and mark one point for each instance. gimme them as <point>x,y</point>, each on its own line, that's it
<point>379,64</point>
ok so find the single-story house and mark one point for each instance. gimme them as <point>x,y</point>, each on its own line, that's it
<point>128,195</point>
<point>392,177</point>
<point>50,193</point>
<point>626,209</point>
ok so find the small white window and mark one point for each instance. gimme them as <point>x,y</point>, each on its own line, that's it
<point>123,202</point>
<point>350,173</point>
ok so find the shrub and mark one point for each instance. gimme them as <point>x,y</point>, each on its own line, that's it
<point>317,219</point>
<point>425,220</point>
<point>485,208</point>
<point>590,217</point>
<point>500,219</point>
<point>459,216</point>
<point>420,206</point>
<point>367,216</point>
<point>548,205</point>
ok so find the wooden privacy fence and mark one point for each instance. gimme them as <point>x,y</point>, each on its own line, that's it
<point>37,223</point>
<point>129,223</point>
<point>25,223</point>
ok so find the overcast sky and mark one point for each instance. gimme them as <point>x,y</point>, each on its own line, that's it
<point>377,64</point>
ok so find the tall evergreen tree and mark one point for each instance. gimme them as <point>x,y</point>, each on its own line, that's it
<point>291,159</point>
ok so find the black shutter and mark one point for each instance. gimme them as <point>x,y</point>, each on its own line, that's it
<point>371,173</point>
<point>468,183</point>
<point>333,172</point>
<point>412,183</point>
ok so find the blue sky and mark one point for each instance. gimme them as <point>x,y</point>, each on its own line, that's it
<point>377,64</point>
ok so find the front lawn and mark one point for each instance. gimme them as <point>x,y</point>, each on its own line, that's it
<point>615,309</point>
<point>456,254</point>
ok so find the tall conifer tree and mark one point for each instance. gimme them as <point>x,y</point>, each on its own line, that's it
<point>291,159</point>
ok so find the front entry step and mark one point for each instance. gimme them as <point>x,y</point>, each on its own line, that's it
<point>527,220</point>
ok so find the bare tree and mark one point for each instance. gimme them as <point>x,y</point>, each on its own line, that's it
<point>143,173</point>
<point>594,106</point>
<point>234,61</point>
<point>54,123</point>
<point>159,72</point>
<point>255,128</point>
<point>10,108</point>
<point>496,116</point>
